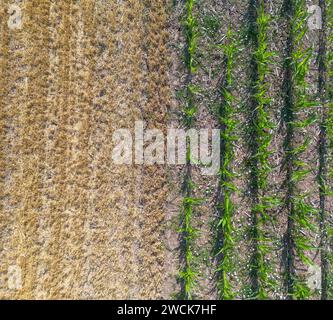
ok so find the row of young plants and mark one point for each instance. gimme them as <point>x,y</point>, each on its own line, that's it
<point>188,275</point>
<point>227,120</point>
<point>260,128</point>
<point>298,116</point>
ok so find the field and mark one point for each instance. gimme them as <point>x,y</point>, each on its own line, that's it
<point>75,224</point>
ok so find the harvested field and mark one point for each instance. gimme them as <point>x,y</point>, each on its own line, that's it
<point>93,203</point>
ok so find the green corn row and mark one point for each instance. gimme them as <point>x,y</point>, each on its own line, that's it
<point>260,129</point>
<point>329,128</point>
<point>187,275</point>
<point>191,34</point>
<point>329,30</point>
<point>225,206</point>
<point>300,212</point>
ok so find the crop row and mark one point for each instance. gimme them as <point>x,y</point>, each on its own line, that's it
<point>259,137</point>
<point>187,232</point>
<point>226,188</point>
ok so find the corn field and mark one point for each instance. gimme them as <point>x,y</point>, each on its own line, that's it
<point>74,224</point>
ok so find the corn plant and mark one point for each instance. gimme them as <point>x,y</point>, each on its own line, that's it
<point>260,136</point>
<point>187,275</point>
<point>225,206</point>
<point>297,120</point>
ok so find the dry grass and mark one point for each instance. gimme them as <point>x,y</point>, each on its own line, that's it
<point>77,225</point>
